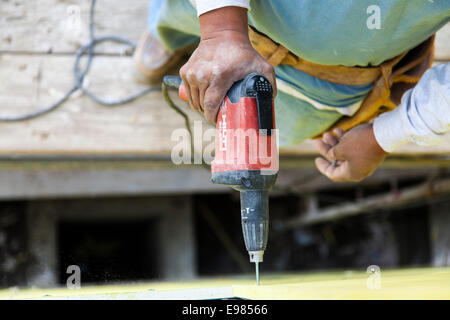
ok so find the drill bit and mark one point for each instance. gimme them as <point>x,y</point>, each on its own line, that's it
<point>256,257</point>
<point>257,272</point>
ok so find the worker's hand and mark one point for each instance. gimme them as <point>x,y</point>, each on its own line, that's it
<point>223,57</point>
<point>356,152</point>
<point>215,65</point>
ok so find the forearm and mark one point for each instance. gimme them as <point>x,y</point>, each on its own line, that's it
<point>227,19</point>
<point>423,117</point>
<point>223,56</point>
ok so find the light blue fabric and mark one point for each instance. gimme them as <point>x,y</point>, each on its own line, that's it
<point>322,31</point>
<point>174,22</point>
<point>335,32</point>
<point>298,120</point>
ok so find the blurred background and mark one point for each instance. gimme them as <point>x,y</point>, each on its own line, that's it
<point>95,187</point>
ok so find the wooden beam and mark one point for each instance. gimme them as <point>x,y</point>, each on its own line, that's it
<point>29,184</point>
<point>52,26</point>
<point>82,126</point>
<point>388,200</point>
<point>68,177</point>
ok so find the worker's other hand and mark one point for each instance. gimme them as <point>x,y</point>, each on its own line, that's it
<point>356,154</point>
<point>219,61</point>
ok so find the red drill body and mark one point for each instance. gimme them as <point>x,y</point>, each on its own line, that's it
<point>246,155</point>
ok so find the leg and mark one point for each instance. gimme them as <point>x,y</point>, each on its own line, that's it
<point>173,31</point>
<point>298,120</point>
<point>174,23</point>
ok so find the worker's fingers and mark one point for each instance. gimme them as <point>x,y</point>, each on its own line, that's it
<point>336,153</point>
<point>192,78</point>
<point>339,133</point>
<point>325,167</point>
<point>342,172</point>
<point>202,91</point>
<point>339,151</point>
<point>329,139</point>
<point>323,149</point>
<point>195,94</point>
<point>187,87</point>
<point>329,152</point>
<point>213,98</point>
<point>336,171</point>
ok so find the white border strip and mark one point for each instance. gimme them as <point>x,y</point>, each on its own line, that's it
<point>288,89</point>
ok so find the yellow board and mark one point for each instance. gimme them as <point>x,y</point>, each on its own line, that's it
<point>424,283</point>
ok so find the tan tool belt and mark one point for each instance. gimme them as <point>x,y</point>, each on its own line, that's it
<point>391,78</point>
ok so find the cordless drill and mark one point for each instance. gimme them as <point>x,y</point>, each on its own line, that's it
<point>246,155</point>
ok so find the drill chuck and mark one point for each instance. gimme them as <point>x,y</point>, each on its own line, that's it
<point>256,256</point>
<point>255,221</point>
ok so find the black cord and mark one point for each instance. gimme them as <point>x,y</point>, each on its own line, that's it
<point>168,83</point>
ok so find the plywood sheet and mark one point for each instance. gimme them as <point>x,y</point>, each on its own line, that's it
<point>144,126</point>
<point>426,283</point>
<point>54,26</point>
